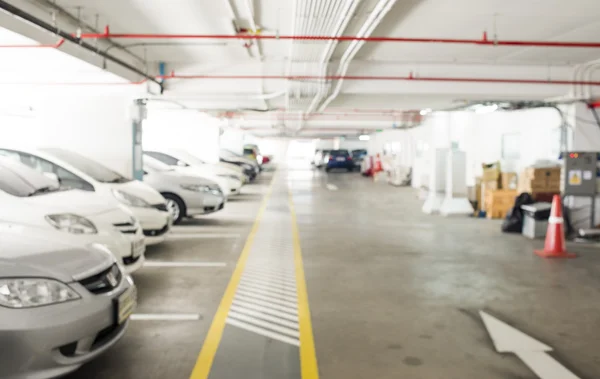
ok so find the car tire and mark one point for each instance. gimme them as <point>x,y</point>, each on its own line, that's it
<point>176,206</point>
<point>350,169</point>
<point>327,169</point>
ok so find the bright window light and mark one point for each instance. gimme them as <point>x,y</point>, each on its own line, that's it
<point>364,137</point>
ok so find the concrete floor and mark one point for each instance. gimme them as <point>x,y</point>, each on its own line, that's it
<point>393,293</point>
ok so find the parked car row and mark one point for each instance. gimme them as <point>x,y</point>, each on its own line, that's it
<point>71,233</point>
<point>338,159</point>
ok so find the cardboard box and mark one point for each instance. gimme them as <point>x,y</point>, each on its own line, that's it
<point>491,172</point>
<point>478,193</point>
<point>536,173</point>
<point>508,180</point>
<point>534,180</point>
<point>499,202</point>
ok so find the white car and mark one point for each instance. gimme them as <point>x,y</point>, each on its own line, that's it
<point>189,164</point>
<point>186,195</point>
<point>29,198</point>
<point>73,170</point>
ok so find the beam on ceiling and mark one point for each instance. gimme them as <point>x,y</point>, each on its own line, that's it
<point>33,20</point>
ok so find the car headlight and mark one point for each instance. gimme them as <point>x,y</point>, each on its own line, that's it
<point>68,222</point>
<point>196,187</point>
<point>32,292</point>
<point>130,200</point>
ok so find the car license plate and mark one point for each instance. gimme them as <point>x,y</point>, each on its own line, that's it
<point>126,304</point>
<point>137,248</point>
<point>340,159</point>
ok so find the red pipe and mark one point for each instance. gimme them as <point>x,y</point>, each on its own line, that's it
<point>483,41</point>
<point>54,46</point>
<point>595,104</point>
<point>386,78</point>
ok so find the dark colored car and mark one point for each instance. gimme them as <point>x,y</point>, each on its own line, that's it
<point>340,159</point>
<point>251,168</point>
<point>358,156</point>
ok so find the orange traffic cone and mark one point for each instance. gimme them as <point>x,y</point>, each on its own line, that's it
<point>378,167</point>
<point>554,247</point>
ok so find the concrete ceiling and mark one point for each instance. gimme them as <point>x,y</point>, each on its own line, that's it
<point>542,20</point>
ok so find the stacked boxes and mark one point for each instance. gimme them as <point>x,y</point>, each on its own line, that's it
<point>540,180</point>
<point>498,191</point>
<point>498,202</point>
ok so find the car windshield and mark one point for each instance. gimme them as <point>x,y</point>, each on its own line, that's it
<point>20,180</point>
<point>154,165</point>
<point>189,158</point>
<point>88,166</point>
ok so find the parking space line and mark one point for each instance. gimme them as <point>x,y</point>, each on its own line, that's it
<point>291,332</point>
<point>258,308</point>
<point>206,357</point>
<point>183,264</point>
<point>308,358</point>
<point>331,187</point>
<point>263,316</point>
<point>165,317</point>
<point>263,332</point>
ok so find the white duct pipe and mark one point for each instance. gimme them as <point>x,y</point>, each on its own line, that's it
<point>330,12</point>
<point>382,8</point>
<point>256,45</point>
<point>343,22</point>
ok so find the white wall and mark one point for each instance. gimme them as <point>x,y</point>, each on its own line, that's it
<point>233,139</point>
<point>97,125</point>
<point>182,129</point>
<point>586,132</point>
<point>480,136</point>
<point>353,144</point>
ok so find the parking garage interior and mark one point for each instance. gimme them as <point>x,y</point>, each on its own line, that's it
<point>302,189</point>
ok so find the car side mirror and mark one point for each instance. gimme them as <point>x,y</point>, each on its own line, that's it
<point>52,176</point>
<point>182,164</point>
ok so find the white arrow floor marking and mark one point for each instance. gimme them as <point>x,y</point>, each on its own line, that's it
<point>531,351</point>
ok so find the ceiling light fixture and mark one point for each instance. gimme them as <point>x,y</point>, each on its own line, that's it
<point>425,111</point>
<point>364,137</point>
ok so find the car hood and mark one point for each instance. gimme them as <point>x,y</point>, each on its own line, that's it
<point>34,252</point>
<point>179,178</point>
<point>193,173</point>
<point>241,160</point>
<point>236,168</point>
<point>83,203</point>
<point>141,190</point>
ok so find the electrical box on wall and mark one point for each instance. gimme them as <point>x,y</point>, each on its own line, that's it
<point>580,173</point>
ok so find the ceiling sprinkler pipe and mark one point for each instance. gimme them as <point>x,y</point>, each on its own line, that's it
<point>484,41</point>
<point>389,78</point>
<point>31,19</point>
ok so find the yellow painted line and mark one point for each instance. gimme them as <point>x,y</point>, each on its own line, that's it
<point>308,356</point>
<point>215,333</point>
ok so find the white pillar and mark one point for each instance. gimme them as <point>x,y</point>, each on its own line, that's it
<point>455,200</point>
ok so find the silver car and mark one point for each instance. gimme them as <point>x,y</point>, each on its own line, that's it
<point>61,305</point>
<point>186,195</point>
